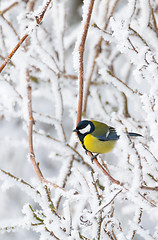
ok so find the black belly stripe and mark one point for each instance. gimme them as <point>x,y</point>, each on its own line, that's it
<point>81,137</point>
<point>84,146</point>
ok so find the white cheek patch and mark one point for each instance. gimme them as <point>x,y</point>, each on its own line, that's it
<point>86,129</point>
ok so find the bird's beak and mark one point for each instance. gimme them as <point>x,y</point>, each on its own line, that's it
<point>75,130</point>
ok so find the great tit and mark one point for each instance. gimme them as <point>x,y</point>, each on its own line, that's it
<point>97,137</point>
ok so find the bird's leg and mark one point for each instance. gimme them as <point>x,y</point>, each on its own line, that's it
<point>86,152</point>
<point>94,156</point>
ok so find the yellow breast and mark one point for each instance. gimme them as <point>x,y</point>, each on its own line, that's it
<point>94,145</point>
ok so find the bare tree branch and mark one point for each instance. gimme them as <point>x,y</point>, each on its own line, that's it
<point>8,8</point>
<point>39,20</point>
<point>81,70</point>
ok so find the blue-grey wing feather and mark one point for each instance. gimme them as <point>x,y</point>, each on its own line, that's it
<point>111,135</point>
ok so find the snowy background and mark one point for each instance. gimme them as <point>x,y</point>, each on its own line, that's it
<point>120,89</point>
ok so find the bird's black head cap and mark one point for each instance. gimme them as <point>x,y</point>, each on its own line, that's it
<point>84,127</point>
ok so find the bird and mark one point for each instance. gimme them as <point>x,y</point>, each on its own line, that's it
<point>97,137</point>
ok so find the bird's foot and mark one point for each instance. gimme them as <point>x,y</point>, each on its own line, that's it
<point>86,152</point>
<point>94,156</point>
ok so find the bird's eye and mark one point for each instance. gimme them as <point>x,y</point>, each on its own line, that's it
<point>86,129</point>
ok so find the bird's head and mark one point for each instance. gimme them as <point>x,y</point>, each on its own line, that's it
<point>84,127</point>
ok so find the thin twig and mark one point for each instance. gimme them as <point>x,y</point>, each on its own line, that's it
<point>138,222</point>
<point>154,19</point>
<point>39,20</point>
<point>143,40</point>
<point>8,8</point>
<point>66,176</point>
<point>52,184</point>
<point>148,200</point>
<point>10,25</point>
<point>14,89</point>
<point>110,201</point>
<point>7,60</point>
<point>17,179</point>
<point>131,90</point>
<point>52,234</point>
<point>40,16</point>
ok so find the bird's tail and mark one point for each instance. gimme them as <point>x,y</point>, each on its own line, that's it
<point>135,135</point>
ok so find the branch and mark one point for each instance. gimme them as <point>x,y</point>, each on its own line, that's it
<point>110,201</point>
<point>40,16</point>
<point>80,77</point>
<point>16,178</point>
<point>7,60</point>
<point>149,188</point>
<point>10,25</point>
<point>39,20</point>
<point>106,173</point>
<point>31,123</point>
<point>8,8</point>
<point>154,19</point>
<point>119,80</point>
<point>81,53</point>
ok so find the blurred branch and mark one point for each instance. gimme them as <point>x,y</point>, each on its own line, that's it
<point>39,20</point>
<point>131,90</point>
<point>99,197</point>
<point>52,234</point>
<point>66,178</point>
<point>14,89</point>
<point>125,112</point>
<point>154,19</point>
<point>150,201</point>
<point>7,60</point>
<point>143,40</point>
<point>10,25</point>
<point>98,50</point>
<point>138,221</point>
<point>149,188</point>
<point>31,5</point>
<point>8,8</point>
<point>40,16</point>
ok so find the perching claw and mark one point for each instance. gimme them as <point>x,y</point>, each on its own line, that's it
<point>94,156</point>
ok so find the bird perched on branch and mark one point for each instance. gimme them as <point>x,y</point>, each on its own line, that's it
<point>97,137</point>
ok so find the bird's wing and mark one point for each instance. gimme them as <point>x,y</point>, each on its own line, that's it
<point>109,135</point>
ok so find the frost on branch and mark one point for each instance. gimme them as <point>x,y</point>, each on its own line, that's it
<point>71,198</point>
